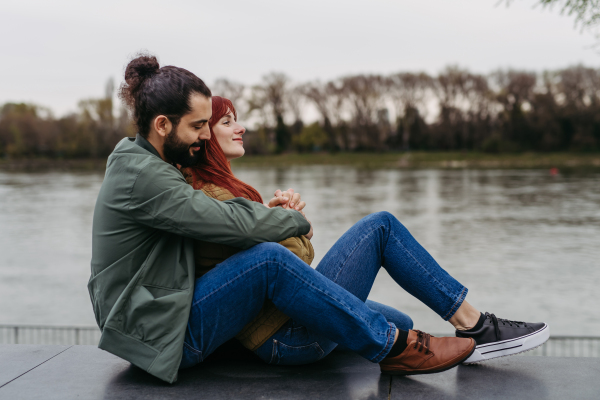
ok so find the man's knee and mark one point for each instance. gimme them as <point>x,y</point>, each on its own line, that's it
<point>279,255</point>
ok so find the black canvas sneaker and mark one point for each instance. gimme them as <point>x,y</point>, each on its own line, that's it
<point>498,337</point>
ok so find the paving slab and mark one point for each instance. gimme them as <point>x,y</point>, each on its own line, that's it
<point>16,360</point>
<point>519,377</point>
<point>85,372</point>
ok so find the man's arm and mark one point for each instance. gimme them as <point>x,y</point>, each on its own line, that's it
<point>160,198</point>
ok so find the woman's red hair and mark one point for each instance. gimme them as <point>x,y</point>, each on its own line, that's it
<point>214,167</point>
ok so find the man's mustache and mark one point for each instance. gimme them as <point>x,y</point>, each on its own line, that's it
<point>198,144</point>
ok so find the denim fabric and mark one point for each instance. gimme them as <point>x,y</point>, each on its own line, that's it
<point>379,240</point>
<point>231,295</point>
<point>294,344</point>
<point>327,304</point>
<point>353,263</point>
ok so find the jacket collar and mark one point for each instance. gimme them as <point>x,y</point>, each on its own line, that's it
<point>145,144</point>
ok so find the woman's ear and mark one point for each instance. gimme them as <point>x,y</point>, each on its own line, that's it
<point>162,125</point>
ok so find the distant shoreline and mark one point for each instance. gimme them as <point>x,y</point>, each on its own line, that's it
<point>404,160</point>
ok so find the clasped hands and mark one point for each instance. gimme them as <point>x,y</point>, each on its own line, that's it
<point>291,201</point>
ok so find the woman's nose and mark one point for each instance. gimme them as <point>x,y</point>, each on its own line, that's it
<point>240,130</point>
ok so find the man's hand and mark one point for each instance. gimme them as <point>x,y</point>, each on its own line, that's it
<point>291,201</point>
<point>310,233</point>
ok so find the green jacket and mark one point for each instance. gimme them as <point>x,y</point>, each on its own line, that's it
<point>142,279</point>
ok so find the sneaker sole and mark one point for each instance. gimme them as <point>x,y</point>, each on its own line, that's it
<point>406,373</point>
<point>509,347</point>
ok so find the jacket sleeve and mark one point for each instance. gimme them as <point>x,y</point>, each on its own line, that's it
<point>160,198</point>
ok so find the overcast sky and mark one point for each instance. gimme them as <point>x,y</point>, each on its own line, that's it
<point>56,52</point>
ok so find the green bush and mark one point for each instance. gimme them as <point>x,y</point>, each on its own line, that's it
<point>311,138</point>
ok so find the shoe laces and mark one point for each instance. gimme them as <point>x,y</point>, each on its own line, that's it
<point>423,341</point>
<point>497,321</point>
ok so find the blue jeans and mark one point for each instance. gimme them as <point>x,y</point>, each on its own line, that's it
<point>327,305</point>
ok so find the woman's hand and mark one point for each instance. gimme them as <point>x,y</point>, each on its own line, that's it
<point>288,200</point>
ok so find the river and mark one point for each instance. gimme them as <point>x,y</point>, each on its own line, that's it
<point>525,243</point>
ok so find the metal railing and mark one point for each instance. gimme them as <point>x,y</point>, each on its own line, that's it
<point>569,346</point>
<point>32,334</point>
<point>557,346</point>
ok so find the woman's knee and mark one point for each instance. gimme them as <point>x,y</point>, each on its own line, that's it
<point>381,217</point>
<point>384,215</point>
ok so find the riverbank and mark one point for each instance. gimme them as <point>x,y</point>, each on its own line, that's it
<point>51,164</point>
<point>412,160</point>
<point>443,160</point>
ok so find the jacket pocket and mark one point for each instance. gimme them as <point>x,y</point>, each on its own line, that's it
<point>153,311</point>
<point>160,291</point>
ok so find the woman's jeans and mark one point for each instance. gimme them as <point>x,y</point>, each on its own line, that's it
<point>327,305</point>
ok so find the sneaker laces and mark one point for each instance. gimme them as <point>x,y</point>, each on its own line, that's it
<point>497,321</point>
<point>423,340</point>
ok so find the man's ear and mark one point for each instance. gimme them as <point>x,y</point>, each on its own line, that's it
<point>162,125</point>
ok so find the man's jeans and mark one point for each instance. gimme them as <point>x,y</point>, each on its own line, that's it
<point>327,305</point>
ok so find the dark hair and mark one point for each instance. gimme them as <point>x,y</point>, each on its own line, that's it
<point>149,91</point>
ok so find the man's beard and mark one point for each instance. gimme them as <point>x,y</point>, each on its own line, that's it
<point>178,152</point>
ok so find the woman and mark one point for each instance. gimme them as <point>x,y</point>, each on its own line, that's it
<point>352,263</point>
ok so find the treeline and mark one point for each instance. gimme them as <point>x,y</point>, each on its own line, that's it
<point>28,130</point>
<point>505,111</point>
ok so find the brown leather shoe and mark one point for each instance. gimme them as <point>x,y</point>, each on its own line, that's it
<point>427,354</point>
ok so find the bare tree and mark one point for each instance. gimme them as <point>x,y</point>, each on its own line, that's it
<point>408,92</point>
<point>328,98</point>
<point>233,91</point>
<point>270,96</point>
<point>295,101</point>
<point>269,99</point>
<point>515,95</point>
<point>365,96</point>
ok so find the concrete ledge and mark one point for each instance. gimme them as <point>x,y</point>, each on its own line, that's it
<point>85,372</point>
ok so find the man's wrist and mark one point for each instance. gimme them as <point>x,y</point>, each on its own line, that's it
<point>303,224</point>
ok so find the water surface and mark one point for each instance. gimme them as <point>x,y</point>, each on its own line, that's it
<point>526,244</point>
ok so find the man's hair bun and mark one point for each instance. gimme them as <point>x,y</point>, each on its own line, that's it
<point>143,66</point>
<point>139,69</point>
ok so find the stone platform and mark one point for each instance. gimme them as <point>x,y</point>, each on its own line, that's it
<point>85,372</point>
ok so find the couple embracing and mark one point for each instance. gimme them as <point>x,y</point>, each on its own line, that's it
<point>186,257</point>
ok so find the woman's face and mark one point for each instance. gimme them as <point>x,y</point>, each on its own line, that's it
<point>229,135</point>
